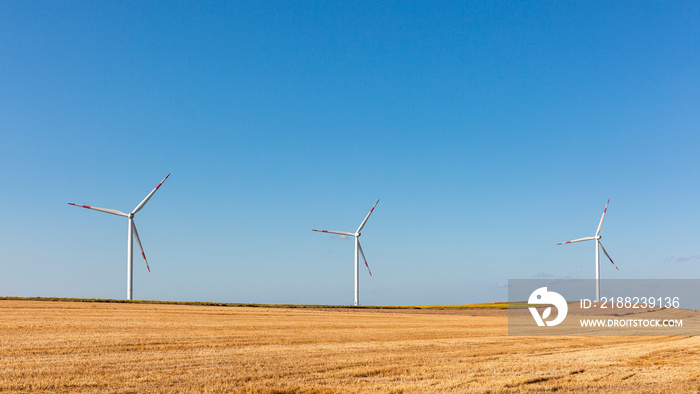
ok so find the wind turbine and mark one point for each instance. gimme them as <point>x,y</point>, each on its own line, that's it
<point>357,248</point>
<point>597,238</point>
<point>132,233</point>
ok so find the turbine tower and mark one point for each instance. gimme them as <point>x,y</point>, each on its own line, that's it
<point>598,244</point>
<point>358,248</point>
<point>131,234</point>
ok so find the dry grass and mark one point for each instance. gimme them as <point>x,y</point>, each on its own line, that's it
<point>103,347</point>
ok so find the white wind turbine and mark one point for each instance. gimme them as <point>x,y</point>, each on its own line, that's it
<point>357,248</point>
<point>130,242</point>
<point>597,238</point>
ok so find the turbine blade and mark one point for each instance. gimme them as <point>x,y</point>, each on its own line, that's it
<point>602,217</point>
<point>576,240</point>
<point>606,253</point>
<point>363,257</point>
<point>366,217</point>
<point>107,210</point>
<point>138,241</point>
<point>148,197</point>
<point>336,232</point>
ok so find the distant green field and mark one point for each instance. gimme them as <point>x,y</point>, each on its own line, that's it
<point>462,306</point>
<point>497,305</point>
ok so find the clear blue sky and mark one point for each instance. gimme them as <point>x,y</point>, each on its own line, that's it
<point>490,132</point>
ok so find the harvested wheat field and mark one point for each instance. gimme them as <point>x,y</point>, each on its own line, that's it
<point>130,347</point>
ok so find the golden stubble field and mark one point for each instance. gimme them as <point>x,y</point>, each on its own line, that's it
<point>121,347</point>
